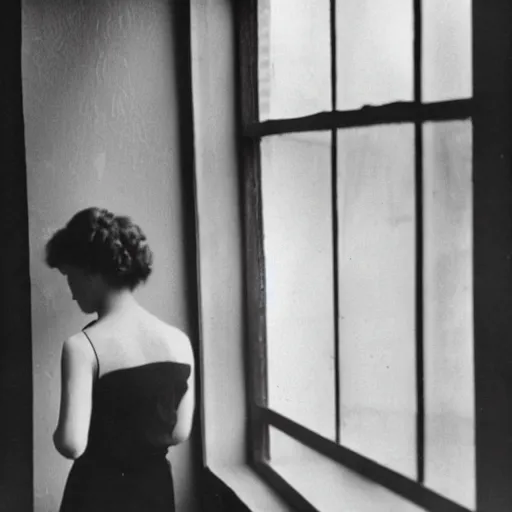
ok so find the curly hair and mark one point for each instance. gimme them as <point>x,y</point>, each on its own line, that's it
<point>100,242</point>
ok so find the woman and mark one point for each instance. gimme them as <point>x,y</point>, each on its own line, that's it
<point>127,378</point>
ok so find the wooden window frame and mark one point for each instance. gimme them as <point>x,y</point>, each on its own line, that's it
<point>490,110</point>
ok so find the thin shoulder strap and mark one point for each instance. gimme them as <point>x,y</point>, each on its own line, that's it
<point>95,353</point>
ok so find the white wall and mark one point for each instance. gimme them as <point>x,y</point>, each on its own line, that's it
<point>219,232</point>
<point>100,106</point>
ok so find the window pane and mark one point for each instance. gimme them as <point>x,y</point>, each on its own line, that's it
<point>374,52</point>
<point>446,57</point>
<point>294,57</point>
<point>377,294</point>
<point>449,377</point>
<point>297,217</point>
<point>328,486</point>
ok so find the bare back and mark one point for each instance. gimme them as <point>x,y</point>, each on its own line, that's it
<point>142,393</point>
<point>135,339</point>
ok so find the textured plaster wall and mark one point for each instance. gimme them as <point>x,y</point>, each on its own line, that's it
<point>100,106</point>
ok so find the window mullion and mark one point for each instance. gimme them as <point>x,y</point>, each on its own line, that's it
<point>400,112</point>
<point>334,190</point>
<point>247,18</point>
<point>420,387</point>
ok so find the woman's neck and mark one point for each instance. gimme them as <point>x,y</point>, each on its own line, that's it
<point>117,302</point>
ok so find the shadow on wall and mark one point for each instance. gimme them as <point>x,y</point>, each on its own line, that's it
<point>106,91</point>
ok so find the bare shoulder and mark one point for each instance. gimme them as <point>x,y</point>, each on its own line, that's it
<point>76,349</point>
<point>77,343</point>
<point>179,344</point>
<point>176,341</point>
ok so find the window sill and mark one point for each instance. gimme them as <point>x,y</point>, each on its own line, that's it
<point>310,481</point>
<point>249,487</point>
<point>323,483</point>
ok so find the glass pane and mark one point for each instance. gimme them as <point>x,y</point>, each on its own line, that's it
<point>448,288</point>
<point>294,57</point>
<point>374,52</point>
<point>376,209</point>
<point>328,486</point>
<point>447,69</point>
<point>297,218</point>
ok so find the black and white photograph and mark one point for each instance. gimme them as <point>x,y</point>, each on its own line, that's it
<point>256,256</point>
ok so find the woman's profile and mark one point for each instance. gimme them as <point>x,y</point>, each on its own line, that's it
<point>127,379</point>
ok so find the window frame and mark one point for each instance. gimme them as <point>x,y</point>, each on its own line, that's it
<point>490,110</point>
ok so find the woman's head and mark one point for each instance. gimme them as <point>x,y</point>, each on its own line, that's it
<point>97,248</point>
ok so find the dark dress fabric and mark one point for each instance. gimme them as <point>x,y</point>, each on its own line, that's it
<point>124,467</point>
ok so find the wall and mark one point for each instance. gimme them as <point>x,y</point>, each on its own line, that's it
<point>219,231</point>
<point>228,483</point>
<point>101,126</point>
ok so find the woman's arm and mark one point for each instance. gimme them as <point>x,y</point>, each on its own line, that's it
<point>185,412</point>
<point>77,375</point>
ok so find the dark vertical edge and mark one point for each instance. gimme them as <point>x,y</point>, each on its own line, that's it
<point>420,382</point>
<point>417,51</point>
<point>335,264</point>
<point>334,191</point>
<point>418,137</point>
<point>256,355</point>
<point>334,67</point>
<point>183,71</point>
<point>246,16</point>
<point>492,256</point>
<point>16,393</point>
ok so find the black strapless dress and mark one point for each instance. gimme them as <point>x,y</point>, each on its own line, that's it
<point>124,467</point>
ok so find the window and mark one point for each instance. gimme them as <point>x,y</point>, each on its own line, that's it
<point>363,141</point>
